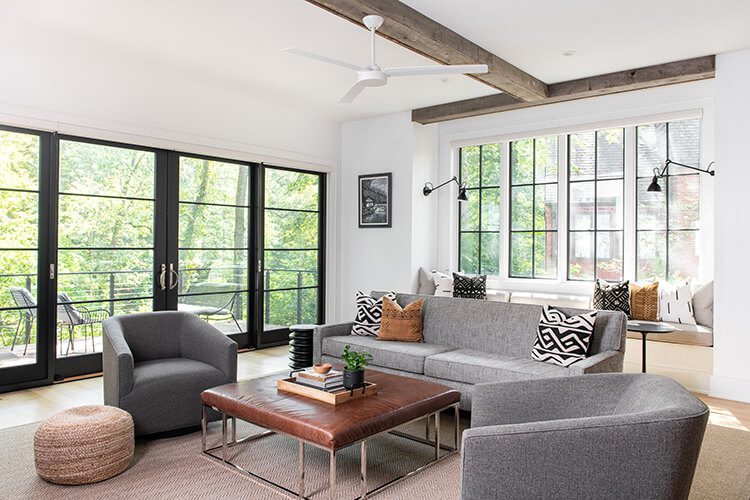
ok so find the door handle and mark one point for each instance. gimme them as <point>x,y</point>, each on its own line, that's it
<point>163,277</point>
<point>174,277</point>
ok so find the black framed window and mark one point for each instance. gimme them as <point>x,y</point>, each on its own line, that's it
<point>293,250</point>
<point>668,222</point>
<point>479,217</point>
<point>533,208</point>
<point>596,190</point>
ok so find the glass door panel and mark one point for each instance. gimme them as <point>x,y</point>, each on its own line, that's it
<point>22,336</point>
<point>292,251</point>
<point>106,213</point>
<point>213,240</point>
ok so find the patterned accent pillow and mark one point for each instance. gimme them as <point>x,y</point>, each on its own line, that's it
<point>644,301</point>
<point>369,312</point>
<point>676,304</point>
<point>404,325</point>
<point>443,284</point>
<point>561,340</point>
<point>612,296</point>
<point>470,287</point>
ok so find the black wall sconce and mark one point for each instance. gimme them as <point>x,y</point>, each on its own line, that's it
<point>654,187</point>
<point>429,188</point>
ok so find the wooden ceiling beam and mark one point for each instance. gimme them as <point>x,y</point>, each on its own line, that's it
<point>418,33</point>
<point>622,81</point>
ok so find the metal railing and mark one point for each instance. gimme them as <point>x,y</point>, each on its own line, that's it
<point>112,286</point>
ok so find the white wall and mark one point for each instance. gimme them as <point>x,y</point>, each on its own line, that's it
<point>732,343</point>
<point>386,258</point>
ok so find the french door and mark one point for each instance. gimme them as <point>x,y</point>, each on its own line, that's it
<point>91,229</point>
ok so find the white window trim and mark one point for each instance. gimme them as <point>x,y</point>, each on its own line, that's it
<point>562,284</point>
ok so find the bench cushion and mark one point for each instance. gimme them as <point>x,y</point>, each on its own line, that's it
<point>474,367</point>
<point>406,356</point>
<point>698,335</point>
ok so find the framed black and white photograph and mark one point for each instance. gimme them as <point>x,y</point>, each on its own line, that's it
<point>375,207</point>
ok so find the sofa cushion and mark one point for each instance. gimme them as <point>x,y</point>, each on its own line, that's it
<point>551,299</point>
<point>426,282</point>
<point>474,367</point>
<point>406,356</point>
<point>175,373</point>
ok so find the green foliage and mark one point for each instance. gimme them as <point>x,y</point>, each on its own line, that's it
<point>355,360</point>
<point>214,212</point>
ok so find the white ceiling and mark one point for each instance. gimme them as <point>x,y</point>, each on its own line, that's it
<point>181,54</point>
<point>232,45</point>
<point>607,36</point>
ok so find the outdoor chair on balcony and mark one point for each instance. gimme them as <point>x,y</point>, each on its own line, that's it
<point>211,300</point>
<point>71,316</point>
<point>26,314</point>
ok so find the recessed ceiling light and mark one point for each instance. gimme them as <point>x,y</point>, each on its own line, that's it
<point>569,53</point>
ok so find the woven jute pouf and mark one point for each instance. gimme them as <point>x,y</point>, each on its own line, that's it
<point>84,445</point>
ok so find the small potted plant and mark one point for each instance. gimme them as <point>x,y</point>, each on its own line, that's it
<point>354,372</point>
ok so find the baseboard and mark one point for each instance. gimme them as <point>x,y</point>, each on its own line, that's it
<point>736,389</point>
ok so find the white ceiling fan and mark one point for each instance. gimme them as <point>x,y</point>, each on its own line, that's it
<point>373,76</point>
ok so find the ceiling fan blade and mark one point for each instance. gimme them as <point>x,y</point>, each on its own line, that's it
<point>353,92</point>
<point>437,70</point>
<point>324,59</point>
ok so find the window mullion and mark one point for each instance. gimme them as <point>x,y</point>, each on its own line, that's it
<point>562,206</point>
<point>630,210</point>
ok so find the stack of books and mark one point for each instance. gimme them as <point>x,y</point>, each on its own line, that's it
<point>330,382</point>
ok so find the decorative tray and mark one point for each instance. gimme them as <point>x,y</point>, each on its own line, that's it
<point>334,398</point>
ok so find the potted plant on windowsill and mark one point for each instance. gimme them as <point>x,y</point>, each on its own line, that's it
<point>354,371</point>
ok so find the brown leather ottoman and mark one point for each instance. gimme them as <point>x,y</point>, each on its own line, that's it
<point>399,400</point>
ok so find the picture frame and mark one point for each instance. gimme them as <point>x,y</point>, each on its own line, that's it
<point>375,200</point>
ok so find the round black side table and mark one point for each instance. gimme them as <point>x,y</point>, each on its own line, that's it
<point>301,346</point>
<point>644,328</point>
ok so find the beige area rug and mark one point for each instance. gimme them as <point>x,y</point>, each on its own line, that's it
<point>175,468</point>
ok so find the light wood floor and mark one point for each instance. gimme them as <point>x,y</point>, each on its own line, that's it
<point>33,405</point>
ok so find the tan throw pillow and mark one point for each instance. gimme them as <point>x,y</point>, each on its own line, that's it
<point>644,301</point>
<point>404,325</point>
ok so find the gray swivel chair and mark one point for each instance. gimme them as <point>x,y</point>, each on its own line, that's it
<point>156,365</point>
<point>594,436</point>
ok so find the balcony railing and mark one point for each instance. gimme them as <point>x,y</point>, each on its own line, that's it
<point>119,291</point>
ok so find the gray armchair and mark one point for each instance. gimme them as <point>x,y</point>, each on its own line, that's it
<point>594,436</point>
<point>157,364</point>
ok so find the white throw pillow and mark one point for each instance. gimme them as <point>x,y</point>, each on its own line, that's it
<point>443,284</point>
<point>703,304</point>
<point>676,303</point>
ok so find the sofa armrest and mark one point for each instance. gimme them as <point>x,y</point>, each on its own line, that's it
<point>321,332</point>
<point>202,342</point>
<point>603,362</point>
<point>117,363</point>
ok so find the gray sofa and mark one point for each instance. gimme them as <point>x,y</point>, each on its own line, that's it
<point>598,436</point>
<point>469,341</point>
<point>157,364</point>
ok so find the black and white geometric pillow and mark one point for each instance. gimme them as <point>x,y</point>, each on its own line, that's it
<point>470,287</point>
<point>561,340</point>
<point>612,296</point>
<point>369,313</point>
